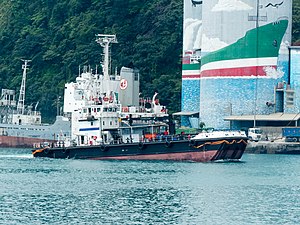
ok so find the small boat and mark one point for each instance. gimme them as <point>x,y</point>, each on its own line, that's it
<point>110,120</point>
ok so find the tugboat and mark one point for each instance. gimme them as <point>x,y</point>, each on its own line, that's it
<point>110,120</point>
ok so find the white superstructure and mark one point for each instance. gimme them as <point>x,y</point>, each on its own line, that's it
<point>105,108</point>
<point>219,134</point>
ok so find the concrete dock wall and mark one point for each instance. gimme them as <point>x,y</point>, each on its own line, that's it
<point>276,147</point>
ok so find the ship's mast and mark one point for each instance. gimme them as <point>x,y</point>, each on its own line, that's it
<point>104,40</point>
<point>21,102</point>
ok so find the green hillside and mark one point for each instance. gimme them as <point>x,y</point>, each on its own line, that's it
<point>59,36</point>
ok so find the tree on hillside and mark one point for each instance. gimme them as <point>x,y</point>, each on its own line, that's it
<point>59,36</point>
<point>296,22</point>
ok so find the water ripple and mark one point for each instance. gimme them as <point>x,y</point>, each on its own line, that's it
<point>261,190</point>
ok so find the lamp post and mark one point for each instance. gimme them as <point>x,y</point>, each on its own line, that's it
<point>257,63</point>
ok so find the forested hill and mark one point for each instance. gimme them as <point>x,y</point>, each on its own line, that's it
<point>59,36</point>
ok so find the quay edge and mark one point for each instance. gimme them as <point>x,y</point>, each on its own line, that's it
<point>273,147</point>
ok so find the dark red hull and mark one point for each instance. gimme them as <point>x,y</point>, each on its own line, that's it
<point>183,150</point>
<point>20,142</point>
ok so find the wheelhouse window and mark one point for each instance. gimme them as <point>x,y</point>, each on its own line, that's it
<point>136,76</point>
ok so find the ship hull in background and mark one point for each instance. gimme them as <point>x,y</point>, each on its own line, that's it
<point>20,142</point>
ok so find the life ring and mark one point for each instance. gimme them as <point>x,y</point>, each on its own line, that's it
<point>103,148</point>
<point>168,144</point>
<point>141,145</point>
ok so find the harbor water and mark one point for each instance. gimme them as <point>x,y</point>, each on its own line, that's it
<point>261,189</point>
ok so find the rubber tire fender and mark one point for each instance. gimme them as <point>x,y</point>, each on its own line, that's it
<point>46,151</point>
<point>65,151</point>
<point>141,145</point>
<point>192,143</point>
<point>168,144</point>
<point>103,148</point>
